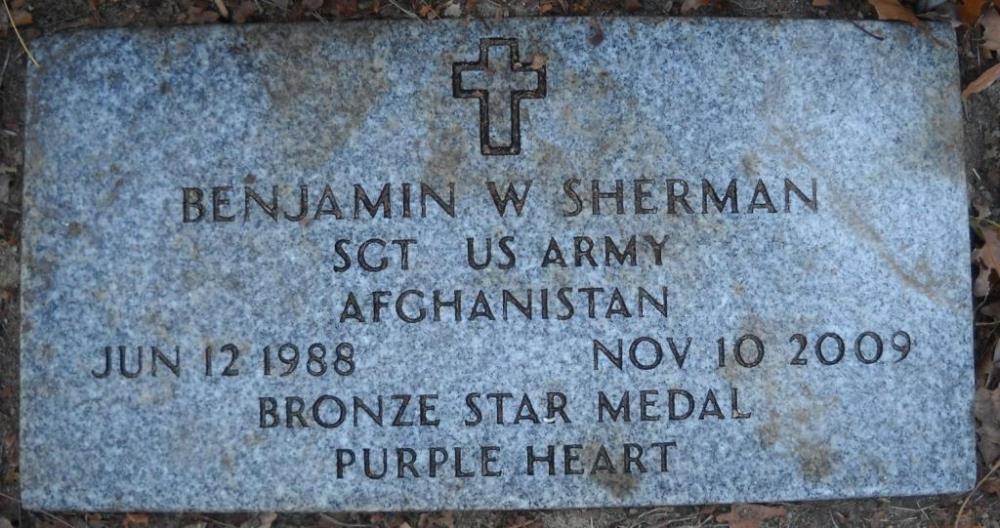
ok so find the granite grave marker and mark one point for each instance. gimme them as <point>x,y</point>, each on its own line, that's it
<point>504,264</point>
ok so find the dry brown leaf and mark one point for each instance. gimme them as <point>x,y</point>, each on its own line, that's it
<point>966,520</point>
<point>990,20</point>
<point>261,520</point>
<point>875,521</point>
<point>346,8</point>
<point>244,11</point>
<point>691,5</point>
<point>982,82</point>
<point>991,486</point>
<point>633,6</point>
<point>893,10</point>
<point>135,519</point>
<point>538,61</point>
<point>436,520</point>
<point>521,521</point>
<point>545,8</point>
<point>987,411</point>
<point>426,11</point>
<point>198,15</point>
<point>981,286</point>
<point>969,11</point>
<point>22,17</point>
<point>988,255</point>
<point>821,3</point>
<point>750,515</point>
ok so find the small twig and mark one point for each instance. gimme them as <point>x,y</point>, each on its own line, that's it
<point>220,6</point>
<point>6,61</point>
<point>936,41</point>
<point>331,520</point>
<point>989,289</point>
<point>958,516</point>
<point>923,511</point>
<point>654,511</point>
<point>10,18</point>
<point>525,524</point>
<point>216,521</point>
<point>867,31</point>
<point>757,7</point>
<point>681,520</point>
<point>987,221</point>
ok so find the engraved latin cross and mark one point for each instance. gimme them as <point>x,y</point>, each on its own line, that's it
<point>499,80</point>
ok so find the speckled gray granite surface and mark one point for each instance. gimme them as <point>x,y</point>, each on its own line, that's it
<point>764,188</point>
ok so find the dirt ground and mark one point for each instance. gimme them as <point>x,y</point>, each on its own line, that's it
<point>982,132</point>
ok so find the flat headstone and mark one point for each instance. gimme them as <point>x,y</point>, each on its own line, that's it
<point>732,266</point>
